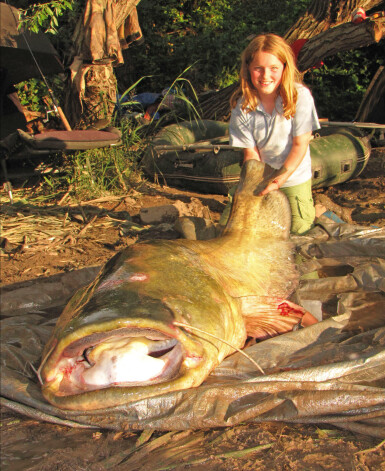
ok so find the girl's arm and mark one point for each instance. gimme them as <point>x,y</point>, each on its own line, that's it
<point>251,153</point>
<point>295,157</point>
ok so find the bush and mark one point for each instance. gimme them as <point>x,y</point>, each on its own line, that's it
<point>339,86</point>
<point>209,34</point>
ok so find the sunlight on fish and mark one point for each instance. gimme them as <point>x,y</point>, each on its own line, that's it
<point>162,314</point>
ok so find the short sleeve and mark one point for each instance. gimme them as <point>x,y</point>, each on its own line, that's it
<point>306,118</point>
<point>241,128</point>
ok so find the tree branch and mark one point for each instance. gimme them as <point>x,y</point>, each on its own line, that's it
<point>341,38</point>
<point>324,14</point>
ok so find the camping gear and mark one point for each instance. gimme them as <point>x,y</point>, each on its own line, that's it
<point>21,145</point>
<point>196,155</point>
<point>20,49</point>
<point>25,55</point>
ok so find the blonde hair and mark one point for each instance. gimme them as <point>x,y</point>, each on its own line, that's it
<point>277,46</point>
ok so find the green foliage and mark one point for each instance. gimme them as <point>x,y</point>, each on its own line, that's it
<point>35,96</point>
<point>44,16</point>
<point>102,172</point>
<point>210,34</point>
<point>206,37</point>
<point>31,93</point>
<point>113,170</point>
<point>57,17</point>
<point>339,86</point>
<point>60,24</point>
<point>99,172</point>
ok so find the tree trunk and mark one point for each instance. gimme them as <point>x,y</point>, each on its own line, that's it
<point>91,96</point>
<point>328,28</point>
<point>372,108</point>
<point>341,38</point>
<point>217,105</point>
<point>97,48</point>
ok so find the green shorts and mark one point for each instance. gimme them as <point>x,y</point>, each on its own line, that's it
<point>302,207</point>
<point>301,204</point>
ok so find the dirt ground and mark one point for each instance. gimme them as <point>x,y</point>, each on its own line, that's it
<point>39,240</point>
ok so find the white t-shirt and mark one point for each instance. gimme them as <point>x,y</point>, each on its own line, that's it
<point>273,134</point>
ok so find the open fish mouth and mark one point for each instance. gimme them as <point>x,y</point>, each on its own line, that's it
<point>121,358</point>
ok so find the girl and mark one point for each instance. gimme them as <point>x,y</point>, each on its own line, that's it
<point>272,119</point>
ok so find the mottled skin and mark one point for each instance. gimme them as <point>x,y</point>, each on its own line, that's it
<point>147,287</point>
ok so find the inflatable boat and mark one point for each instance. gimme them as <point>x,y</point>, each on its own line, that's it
<point>197,156</point>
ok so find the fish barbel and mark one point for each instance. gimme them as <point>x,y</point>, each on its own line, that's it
<point>121,338</point>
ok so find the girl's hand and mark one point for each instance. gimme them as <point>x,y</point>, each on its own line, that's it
<point>295,157</point>
<point>274,185</point>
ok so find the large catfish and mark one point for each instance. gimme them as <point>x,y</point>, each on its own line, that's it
<point>161,315</point>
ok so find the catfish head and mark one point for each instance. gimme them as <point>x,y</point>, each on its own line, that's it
<point>117,340</point>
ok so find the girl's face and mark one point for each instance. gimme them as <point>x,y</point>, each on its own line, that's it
<point>266,73</point>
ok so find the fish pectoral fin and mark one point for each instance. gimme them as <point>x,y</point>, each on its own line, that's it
<point>267,317</point>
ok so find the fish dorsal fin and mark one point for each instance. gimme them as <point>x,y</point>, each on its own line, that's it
<point>253,215</point>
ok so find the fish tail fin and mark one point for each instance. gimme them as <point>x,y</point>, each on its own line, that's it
<point>260,216</point>
<point>255,176</point>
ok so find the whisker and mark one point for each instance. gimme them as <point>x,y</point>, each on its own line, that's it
<point>190,327</point>
<point>37,373</point>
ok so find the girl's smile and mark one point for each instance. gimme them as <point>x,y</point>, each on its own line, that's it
<point>266,73</point>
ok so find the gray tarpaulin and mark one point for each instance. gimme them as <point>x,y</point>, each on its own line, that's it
<point>332,372</point>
